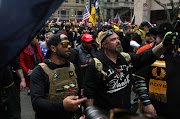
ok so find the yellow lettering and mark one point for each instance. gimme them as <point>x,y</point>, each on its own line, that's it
<point>157,86</point>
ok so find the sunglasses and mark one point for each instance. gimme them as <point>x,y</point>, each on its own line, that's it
<point>109,33</point>
<point>65,44</point>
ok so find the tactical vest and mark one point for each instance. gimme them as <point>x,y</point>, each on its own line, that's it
<point>63,82</point>
<point>157,82</point>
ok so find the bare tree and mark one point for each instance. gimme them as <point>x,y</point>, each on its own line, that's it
<point>175,10</point>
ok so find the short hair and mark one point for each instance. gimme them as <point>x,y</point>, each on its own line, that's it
<point>89,22</point>
<point>85,27</point>
<point>49,33</point>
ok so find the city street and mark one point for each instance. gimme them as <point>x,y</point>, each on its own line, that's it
<point>27,111</point>
<point>26,107</point>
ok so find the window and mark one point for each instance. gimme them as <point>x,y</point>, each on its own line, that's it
<point>77,1</point>
<point>79,14</point>
<point>63,14</point>
<point>82,1</point>
<point>108,0</point>
<point>92,1</point>
<point>108,12</point>
<point>66,0</point>
<point>126,0</point>
<point>58,13</point>
<point>116,0</point>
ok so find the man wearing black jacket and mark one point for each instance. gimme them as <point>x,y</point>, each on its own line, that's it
<point>51,81</point>
<point>111,87</point>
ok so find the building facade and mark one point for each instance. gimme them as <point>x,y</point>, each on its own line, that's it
<point>149,10</point>
<point>109,8</point>
<point>124,8</point>
<point>69,9</point>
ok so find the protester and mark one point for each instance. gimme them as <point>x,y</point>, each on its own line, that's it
<point>138,38</point>
<point>29,58</point>
<point>54,85</point>
<point>86,51</point>
<point>156,82</point>
<point>43,46</point>
<point>91,28</point>
<point>108,77</point>
<point>9,95</point>
<point>70,34</point>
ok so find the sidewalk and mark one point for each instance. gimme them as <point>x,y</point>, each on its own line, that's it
<point>27,111</point>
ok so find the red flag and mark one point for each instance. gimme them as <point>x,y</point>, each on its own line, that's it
<point>108,22</point>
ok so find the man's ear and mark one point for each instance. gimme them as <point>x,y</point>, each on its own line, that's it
<point>104,44</point>
<point>53,48</point>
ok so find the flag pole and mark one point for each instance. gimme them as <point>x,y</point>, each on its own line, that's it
<point>98,16</point>
<point>101,13</point>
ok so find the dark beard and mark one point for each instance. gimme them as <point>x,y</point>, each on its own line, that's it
<point>120,49</point>
<point>62,55</point>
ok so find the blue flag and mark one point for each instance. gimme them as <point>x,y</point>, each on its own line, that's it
<point>96,5</point>
<point>20,22</point>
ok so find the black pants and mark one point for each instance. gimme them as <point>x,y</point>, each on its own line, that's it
<point>12,109</point>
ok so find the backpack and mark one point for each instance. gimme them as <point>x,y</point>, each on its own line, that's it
<point>99,65</point>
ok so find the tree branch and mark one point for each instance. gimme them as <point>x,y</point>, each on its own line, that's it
<point>177,7</point>
<point>159,3</point>
<point>166,9</point>
<point>172,4</point>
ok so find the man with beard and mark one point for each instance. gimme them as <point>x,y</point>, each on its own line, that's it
<point>108,77</point>
<point>86,51</point>
<point>54,86</point>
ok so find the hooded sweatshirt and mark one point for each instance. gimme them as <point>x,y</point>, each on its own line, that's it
<point>115,90</point>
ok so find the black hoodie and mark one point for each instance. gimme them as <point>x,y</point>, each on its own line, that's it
<point>114,92</point>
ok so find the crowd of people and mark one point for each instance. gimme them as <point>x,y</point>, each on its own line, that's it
<point>70,68</point>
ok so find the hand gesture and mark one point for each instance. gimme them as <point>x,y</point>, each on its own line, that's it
<point>72,103</point>
<point>170,39</point>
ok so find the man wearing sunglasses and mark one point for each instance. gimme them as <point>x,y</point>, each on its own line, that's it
<point>54,86</point>
<point>108,76</point>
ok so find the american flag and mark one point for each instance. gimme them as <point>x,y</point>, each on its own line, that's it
<point>85,16</point>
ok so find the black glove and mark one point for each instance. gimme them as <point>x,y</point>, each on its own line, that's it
<point>170,39</point>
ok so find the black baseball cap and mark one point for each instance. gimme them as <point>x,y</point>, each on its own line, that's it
<point>165,27</point>
<point>54,40</point>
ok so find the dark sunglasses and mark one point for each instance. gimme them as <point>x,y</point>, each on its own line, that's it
<point>109,33</point>
<point>65,44</point>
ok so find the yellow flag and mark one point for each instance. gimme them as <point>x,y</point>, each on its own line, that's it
<point>93,16</point>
